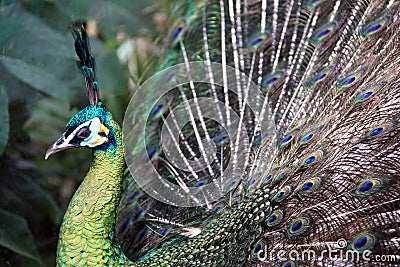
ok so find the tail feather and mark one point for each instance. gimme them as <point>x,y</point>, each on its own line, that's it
<point>329,164</point>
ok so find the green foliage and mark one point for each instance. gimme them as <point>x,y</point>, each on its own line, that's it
<point>19,239</point>
<point>4,118</point>
<point>40,90</point>
<point>38,79</point>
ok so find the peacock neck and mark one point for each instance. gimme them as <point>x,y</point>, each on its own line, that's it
<point>87,232</point>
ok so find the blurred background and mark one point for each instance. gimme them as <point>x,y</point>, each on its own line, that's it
<point>41,88</point>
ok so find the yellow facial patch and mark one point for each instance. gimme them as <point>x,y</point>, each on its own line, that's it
<point>100,139</point>
<point>104,129</point>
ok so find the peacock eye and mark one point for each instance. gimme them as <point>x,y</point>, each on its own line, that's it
<point>83,133</point>
<point>102,134</point>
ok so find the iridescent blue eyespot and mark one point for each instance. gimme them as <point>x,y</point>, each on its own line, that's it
<point>365,96</point>
<point>170,77</point>
<point>270,80</point>
<point>349,80</point>
<point>219,207</point>
<point>309,186</point>
<point>177,32</point>
<point>280,174</point>
<point>163,232</point>
<point>310,160</point>
<point>275,218</point>
<point>142,234</point>
<point>299,226</point>
<point>276,175</point>
<point>124,226</point>
<point>313,158</point>
<point>257,248</point>
<point>286,139</point>
<point>222,138</point>
<point>268,178</point>
<point>369,92</point>
<point>282,194</point>
<point>323,32</point>
<point>363,241</point>
<point>307,138</point>
<point>368,187</point>
<point>376,131</point>
<point>157,109</point>
<point>256,41</point>
<point>200,184</point>
<point>152,153</point>
<point>359,243</point>
<point>380,130</point>
<point>374,27</point>
<point>320,77</point>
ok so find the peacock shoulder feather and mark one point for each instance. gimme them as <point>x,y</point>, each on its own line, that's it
<point>268,137</point>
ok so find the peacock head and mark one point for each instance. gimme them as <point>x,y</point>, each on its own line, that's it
<point>89,128</point>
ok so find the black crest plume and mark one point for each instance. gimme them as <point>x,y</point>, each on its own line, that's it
<point>86,64</point>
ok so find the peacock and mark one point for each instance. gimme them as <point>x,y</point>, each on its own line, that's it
<point>268,136</point>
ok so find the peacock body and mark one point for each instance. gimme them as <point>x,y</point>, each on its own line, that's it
<point>275,128</point>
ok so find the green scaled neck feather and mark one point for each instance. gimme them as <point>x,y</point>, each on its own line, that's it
<point>87,231</point>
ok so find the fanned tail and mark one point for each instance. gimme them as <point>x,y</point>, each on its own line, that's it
<point>321,134</point>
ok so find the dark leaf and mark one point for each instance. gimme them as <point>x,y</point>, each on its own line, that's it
<point>19,239</point>
<point>4,119</point>
<point>35,77</point>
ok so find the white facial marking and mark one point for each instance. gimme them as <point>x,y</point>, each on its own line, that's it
<point>94,128</point>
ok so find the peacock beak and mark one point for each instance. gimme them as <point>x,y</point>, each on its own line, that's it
<point>60,144</point>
